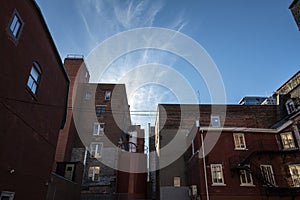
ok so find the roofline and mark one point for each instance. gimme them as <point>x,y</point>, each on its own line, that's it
<point>57,57</point>
<point>293,3</point>
<point>298,72</point>
<point>246,129</point>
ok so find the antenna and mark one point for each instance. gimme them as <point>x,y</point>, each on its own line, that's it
<point>198,93</point>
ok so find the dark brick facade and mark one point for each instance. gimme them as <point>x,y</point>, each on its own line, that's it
<point>30,119</point>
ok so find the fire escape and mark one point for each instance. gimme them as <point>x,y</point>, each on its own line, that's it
<point>244,161</point>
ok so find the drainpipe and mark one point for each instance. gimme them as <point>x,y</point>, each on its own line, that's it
<point>204,167</point>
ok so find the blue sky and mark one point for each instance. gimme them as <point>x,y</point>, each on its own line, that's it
<point>255,44</point>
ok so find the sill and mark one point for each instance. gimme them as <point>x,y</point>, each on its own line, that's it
<point>247,185</point>
<point>290,149</point>
<point>218,184</point>
<point>31,93</point>
<point>241,149</point>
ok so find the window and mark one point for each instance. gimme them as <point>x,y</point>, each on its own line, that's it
<point>295,174</point>
<point>34,78</point>
<point>267,173</point>
<point>100,110</point>
<point>246,177</point>
<point>215,121</point>
<point>69,171</point>
<point>287,140</point>
<point>98,128</point>
<point>176,181</point>
<point>15,25</point>
<point>107,95</point>
<point>290,106</point>
<point>88,96</point>
<point>95,149</point>
<point>239,141</point>
<point>94,172</point>
<point>217,174</point>
<point>5,195</point>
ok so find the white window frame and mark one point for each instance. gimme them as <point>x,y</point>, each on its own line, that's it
<point>15,25</point>
<point>239,141</point>
<point>295,174</point>
<point>267,173</point>
<point>7,194</point>
<point>287,140</point>
<point>290,106</point>
<point>107,95</point>
<point>217,174</point>
<point>96,149</point>
<point>247,176</point>
<point>93,172</point>
<point>34,78</point>
<point>98,128</point>
<point>176,181</point>
<point>215,121</point>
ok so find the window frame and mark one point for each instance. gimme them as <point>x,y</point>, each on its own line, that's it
<point>9,194</point>
<point>97,153</point>
<point>295,176</point>
<point>101,113</point>
<point>269,177</point>
<point>214,173</point>
<point>176,181</point>
<point>215,119</point>
<point>94,170</point>
<point>244,173</point>
<point>237,141</point>
<point>33,81</point>
<point>97,130</point>
<point>290,106</point>
<point>286,142</point>
<point>107,96</point>
<point>11,32</point>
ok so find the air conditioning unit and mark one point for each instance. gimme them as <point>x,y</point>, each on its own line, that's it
<point>193,190</point>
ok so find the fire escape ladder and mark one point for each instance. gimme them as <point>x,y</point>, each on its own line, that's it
<point>267,179</point>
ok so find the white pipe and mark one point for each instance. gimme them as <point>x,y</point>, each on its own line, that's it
<point>204,167</point>
<point>85,155</point>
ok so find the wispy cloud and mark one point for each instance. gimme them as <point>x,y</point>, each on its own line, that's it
<point>105,18</point>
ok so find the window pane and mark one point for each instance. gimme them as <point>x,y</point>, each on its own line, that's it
<point>107,95</point>
<point>30,82</point>
<point>33,88</point>
<point>34,74</point>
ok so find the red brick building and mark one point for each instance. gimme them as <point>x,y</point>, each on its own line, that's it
<point>34,89</point>
<point>256,156</point>
<point>295,9</point>
<point>99,135</point>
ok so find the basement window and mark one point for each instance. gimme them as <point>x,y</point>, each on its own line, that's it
<point>5,195</point>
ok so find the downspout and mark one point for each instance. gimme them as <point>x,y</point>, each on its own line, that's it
<point>204,166</point>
